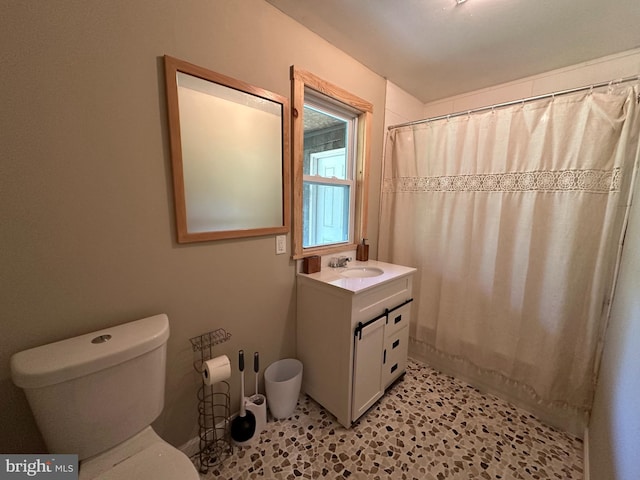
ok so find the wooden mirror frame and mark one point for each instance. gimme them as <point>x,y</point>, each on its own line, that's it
<point>172,67</point>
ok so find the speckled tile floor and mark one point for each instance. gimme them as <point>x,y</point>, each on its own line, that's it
<point>428,426</point>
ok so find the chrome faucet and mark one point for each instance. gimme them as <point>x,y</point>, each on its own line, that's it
<point>338,262</point>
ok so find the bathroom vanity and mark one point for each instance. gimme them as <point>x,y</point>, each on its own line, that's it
<point>352,334</point>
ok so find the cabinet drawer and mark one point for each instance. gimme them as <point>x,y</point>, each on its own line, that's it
<point>379,299</point>
<point>396,349</point>
<point>397,319</point>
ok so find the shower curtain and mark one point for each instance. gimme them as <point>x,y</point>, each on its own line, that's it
<point>513,218</point>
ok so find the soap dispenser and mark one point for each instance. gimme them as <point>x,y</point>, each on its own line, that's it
<point>362,251</point>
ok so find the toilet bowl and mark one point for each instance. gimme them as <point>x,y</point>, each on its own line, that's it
<point>143,457</point>
<point>96,396</point>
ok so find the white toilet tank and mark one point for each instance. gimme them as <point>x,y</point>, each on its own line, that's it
<point>92,392</point>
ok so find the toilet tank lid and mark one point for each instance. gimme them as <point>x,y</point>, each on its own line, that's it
<point>78,356</point>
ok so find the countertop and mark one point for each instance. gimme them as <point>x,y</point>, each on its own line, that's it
<point>332,276</point>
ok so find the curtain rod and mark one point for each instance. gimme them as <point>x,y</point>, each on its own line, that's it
<point>516,102</point>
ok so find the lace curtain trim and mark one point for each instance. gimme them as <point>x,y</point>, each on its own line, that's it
<point>593,181</point>
<point>498,378</point>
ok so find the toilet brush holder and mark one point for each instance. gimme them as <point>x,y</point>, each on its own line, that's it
<point>256,404</point>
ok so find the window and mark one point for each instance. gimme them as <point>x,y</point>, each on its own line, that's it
<point>330,156</point>
<point>328,182</point>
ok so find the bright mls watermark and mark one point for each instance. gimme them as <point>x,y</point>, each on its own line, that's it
<point>44,466</point>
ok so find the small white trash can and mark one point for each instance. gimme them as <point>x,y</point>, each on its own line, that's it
<point>282,380</point>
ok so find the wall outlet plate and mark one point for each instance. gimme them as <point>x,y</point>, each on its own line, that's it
<point>281,244</point>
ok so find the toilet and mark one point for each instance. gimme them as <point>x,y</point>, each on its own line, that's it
<point>96,395</point>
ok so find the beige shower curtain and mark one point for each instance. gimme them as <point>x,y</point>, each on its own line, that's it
<point>513,218</point>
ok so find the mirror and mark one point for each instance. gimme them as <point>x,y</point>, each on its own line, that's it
<point>229,155</point>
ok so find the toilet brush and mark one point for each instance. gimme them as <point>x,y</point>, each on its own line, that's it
<point>243,427</point>
<point>258,403</point>
<point>256,369</point>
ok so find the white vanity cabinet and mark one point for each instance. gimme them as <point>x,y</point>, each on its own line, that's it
<point>352,337</point>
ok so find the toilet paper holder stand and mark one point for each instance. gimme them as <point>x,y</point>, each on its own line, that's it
<point>214,405</point>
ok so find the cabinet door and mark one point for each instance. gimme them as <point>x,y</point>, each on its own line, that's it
<point>367,367</point>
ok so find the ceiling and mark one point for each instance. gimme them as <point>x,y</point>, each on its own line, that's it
<point>435,49</point>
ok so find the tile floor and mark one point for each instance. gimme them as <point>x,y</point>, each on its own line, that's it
<point>428,426</point>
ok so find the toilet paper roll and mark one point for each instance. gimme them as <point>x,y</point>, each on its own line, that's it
<point>216,370</point>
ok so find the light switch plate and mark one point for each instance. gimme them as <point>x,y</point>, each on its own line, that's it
<point>281,244</point>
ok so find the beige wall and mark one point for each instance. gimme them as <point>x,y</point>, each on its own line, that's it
<point>87,237</point>
<point>401,107</point>
<point>603,69</point>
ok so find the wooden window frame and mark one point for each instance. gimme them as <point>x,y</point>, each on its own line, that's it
<point>301,79</point>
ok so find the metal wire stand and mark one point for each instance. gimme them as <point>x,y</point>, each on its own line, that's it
<point>213,405</point>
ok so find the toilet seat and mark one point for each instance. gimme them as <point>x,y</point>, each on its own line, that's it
<point>144,456</point>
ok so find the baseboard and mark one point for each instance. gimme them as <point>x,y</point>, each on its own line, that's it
<point>191,447</point>
<point>585,453</point>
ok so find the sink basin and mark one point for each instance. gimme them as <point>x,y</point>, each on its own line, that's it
<point>362,272</point>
